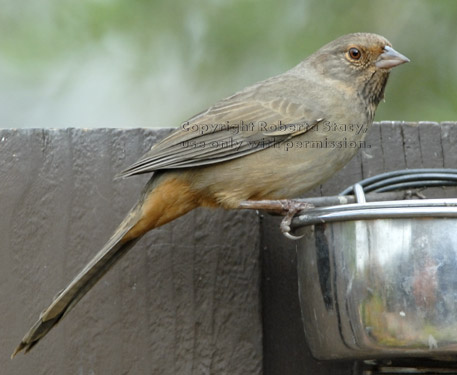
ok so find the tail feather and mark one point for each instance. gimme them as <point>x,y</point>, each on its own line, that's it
<point>113,250</point>
<point>162,200</point>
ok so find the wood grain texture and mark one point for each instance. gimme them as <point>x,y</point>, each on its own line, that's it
<point>185,300</point>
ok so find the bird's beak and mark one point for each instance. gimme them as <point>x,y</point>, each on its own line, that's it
<point>390,58</point>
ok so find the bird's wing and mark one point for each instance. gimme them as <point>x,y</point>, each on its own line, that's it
<point>234,127</point>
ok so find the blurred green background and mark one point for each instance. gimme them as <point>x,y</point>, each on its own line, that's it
<point>138,63</point>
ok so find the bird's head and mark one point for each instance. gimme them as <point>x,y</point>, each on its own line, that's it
<point>360,62</point>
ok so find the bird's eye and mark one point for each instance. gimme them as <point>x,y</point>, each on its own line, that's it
<point>354,53</point>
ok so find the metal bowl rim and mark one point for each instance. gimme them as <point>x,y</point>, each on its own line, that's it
<point>417,208</point>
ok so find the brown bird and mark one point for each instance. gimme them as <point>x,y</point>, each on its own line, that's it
<point>273,140</point>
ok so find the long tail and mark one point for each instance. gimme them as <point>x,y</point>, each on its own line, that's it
<point>164,198</point>
<point>113,250</point>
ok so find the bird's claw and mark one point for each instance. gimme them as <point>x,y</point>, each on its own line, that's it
<point>291,208</point>
<point>290,236</point>
<point>285,207</point>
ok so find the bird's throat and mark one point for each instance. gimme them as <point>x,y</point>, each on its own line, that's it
<point>373,91</point>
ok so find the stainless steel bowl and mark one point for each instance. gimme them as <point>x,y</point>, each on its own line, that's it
<point>379,280</point>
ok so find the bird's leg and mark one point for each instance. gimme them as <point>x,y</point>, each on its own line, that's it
<point>285,207</point>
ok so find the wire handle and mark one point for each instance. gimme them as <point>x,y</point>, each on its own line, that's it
<point>404,179</point>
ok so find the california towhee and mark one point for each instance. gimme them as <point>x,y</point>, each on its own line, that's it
<point>273,140</point>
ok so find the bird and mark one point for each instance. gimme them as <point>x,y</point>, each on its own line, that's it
<point>273,140</point>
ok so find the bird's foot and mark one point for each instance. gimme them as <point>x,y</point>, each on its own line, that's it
<point>288,208</point>
<point>291,208</point>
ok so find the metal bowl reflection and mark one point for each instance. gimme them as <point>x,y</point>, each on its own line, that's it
<point>379,280</point>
